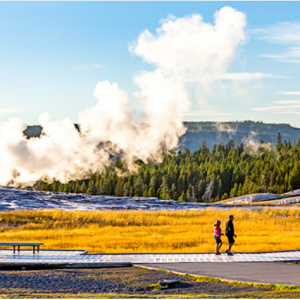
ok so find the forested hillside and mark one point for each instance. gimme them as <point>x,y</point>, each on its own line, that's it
<point>215,133</point>
<point>228,170</point>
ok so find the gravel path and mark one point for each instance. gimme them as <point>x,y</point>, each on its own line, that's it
<point>133,280</point>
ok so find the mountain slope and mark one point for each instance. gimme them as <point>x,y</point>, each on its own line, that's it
<point>215,133</point>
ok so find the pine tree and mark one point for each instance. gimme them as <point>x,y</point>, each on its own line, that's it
<point>61,188</point>
<point>83,188</point>
<point>45,186</point>
<point>91,189</point>
<point>183,197</point>
<point>66,188</point>
<point>224,197</point>
<point>77,188</point>
<point>278,142</point>
<point>151,192</point>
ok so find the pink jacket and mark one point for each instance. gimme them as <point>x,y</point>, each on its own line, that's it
<point>217,231</point>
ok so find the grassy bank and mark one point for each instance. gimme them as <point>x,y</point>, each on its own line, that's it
<point>140,231</point>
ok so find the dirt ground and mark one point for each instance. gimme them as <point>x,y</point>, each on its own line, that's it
<point>134,282</point>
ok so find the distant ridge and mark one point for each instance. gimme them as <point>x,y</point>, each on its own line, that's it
<point>215,133</point>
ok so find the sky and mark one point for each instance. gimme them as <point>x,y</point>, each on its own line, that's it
<point>53,54</point>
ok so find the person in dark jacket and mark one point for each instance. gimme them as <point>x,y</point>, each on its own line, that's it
<point>230,234</point>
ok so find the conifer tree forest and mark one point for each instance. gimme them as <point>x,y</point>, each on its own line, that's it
<point>203,176</point>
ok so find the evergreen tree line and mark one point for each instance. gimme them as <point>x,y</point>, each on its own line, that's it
<point>227,171</point>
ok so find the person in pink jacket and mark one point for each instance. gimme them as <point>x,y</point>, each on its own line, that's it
<point>217,236</point>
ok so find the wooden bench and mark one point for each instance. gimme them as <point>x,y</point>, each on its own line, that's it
<point>16,244</point>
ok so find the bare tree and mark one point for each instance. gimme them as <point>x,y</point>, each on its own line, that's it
<point>208,192</point>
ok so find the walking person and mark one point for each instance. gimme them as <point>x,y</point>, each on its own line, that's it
<point>230,234</point>
<point>217,236</point>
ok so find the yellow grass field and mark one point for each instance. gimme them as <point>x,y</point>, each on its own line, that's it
<point>140,231</point>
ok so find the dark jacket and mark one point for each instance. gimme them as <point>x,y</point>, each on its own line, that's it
<point>229,228</point>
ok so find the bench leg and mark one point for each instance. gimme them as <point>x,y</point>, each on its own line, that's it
<point>18,248</point>
<point>38,248</point>
<point>33,249</point>
<point>14,249</point>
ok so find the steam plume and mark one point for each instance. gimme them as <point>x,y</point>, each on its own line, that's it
<point>183,50</point>
<point>253,147</point>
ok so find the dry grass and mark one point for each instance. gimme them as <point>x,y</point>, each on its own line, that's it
<point>139,231</point>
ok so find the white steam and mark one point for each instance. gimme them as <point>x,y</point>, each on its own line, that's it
<point>254,147</point>
<point>223,127</point>
<point>183,50</point>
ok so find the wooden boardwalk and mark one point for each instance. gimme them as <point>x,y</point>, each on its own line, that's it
<point>81,257</point>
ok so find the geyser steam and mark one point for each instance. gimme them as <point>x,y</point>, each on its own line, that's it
<point>183,50</point>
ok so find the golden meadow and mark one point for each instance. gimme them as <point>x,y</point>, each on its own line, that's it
<point>144,231</point>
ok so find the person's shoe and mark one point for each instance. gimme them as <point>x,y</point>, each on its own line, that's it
<point>218,253</point>
<point>230,254</point>
<point>227,251</point>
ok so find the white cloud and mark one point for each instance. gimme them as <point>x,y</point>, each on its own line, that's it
<point>286,56</point>
<point>287,112</point>
<point>274,108</point>
<point>287,109</point>
<point>289,93</point>
<point>288,102</point>
<point>282,33</point>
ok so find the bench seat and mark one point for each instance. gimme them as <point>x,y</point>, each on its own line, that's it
<point>17,244</point>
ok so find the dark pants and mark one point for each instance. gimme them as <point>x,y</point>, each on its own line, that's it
<point>230,239</point>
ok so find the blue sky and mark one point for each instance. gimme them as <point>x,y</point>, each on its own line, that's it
<point>52,54</point>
